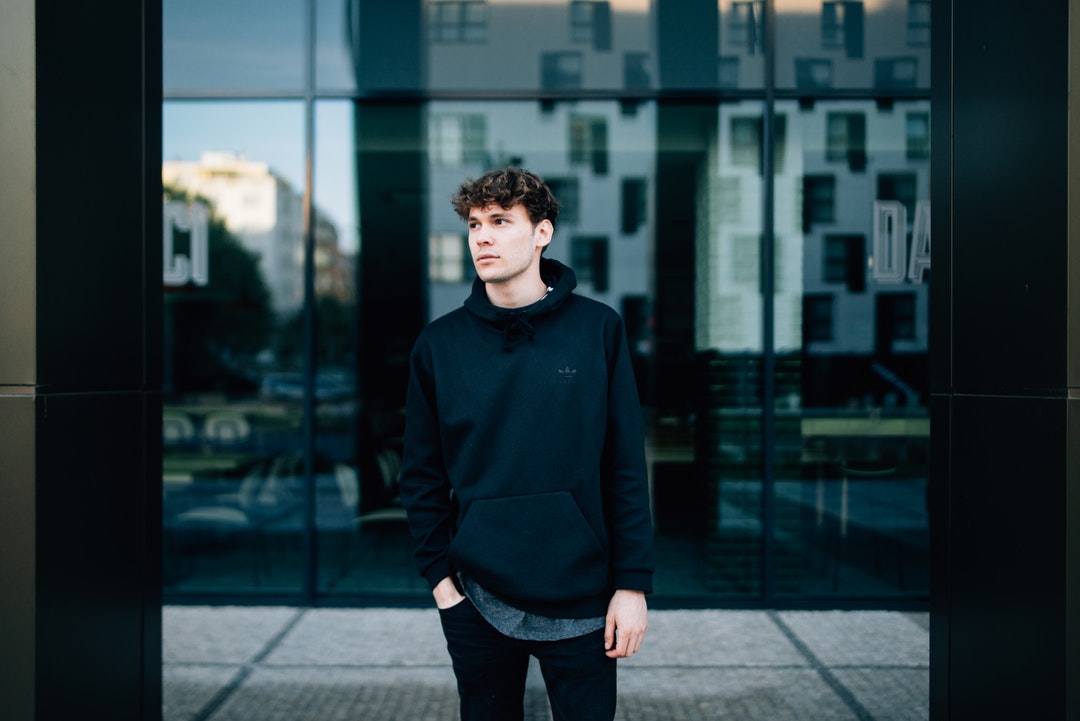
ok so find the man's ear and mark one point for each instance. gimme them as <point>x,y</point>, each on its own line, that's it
<point>543,233</point>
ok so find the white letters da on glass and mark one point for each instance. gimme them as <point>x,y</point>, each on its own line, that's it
<point>180,270</point>
<point>892,263</point>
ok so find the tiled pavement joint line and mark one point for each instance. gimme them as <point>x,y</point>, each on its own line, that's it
<point>230,688</point>
<point>822,670</point>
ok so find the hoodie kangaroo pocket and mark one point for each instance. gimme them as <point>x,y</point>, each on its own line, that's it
<point>537,548</point>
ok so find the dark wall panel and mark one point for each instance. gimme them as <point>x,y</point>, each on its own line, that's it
<point>1007,558</point>
<point>1009,212</point>
<point>97,411</point>
<point>95,513</point>
<point>940,557</point>
<point>92,193</point>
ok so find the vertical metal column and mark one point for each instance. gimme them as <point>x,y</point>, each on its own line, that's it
<point>768,309</point>
<point>310,556</point>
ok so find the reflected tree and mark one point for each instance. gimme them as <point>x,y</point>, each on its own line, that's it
<point>219,329</point>
<point>333,331</point>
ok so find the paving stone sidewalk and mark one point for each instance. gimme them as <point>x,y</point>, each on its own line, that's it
<point>291,664</point>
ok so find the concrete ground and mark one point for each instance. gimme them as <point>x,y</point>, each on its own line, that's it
<point>295,664</point>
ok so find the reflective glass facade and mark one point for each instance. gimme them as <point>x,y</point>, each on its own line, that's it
<point>746,182</point>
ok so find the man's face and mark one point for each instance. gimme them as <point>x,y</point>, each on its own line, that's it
<point>504,243</point>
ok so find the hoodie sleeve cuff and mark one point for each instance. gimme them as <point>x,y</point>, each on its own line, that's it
<point>436,573</point>
<point>634,581</point>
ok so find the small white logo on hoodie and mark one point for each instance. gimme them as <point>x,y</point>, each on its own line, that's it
<point>567,375</point>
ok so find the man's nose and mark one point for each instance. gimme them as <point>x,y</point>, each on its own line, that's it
<point>481,236</point>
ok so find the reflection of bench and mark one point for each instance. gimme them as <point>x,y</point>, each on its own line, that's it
<point>226,427</point>
<point>267,495</point>
<point>176,428</point>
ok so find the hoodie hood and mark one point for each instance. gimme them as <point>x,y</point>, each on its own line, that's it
<point>517,323</point>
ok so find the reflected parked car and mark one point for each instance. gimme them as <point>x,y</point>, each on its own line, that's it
<point>329,386</point>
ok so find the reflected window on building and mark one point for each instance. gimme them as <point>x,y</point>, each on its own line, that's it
<point>896,73</point>
<point>899,186</point>
<point>819,200</point>
<point>817,318</point>
<point>561,71</point>
<point>746,141</point>
<point>590,22</point>
<point>918,23</point>
<point>845,261</point>
<point>813,73</point>
<point>590,261</point>
<point>917,135</point>
<point>633,204</point>
<point>568,191</point>
<point>842,27</point>
<point>747,133</point>
<point>636,71</point>
<point>729,199</point>
<point>745,23</point>
<point>896,318</point>
<point>459,22</point>
<point>728,72</point>
<point>746,261</point>
<point>588,142</point>
<point>457,139</point>
<point>448,258</point>
<point>845,139</point>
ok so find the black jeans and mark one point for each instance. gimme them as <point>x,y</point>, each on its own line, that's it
<point>491,668</point>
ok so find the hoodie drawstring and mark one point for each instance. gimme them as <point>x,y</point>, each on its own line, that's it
<point>515,321</point>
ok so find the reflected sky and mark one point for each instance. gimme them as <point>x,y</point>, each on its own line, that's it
<point>240,44</point>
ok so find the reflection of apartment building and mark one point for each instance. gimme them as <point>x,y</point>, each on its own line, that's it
<point>266,214</point>
<point>881,44</point>
<point>869,154</point>
<point>585,45</point>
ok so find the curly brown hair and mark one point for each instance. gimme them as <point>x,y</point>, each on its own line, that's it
<point>506,188</point>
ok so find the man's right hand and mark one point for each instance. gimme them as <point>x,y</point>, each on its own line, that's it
<point>446,593</point>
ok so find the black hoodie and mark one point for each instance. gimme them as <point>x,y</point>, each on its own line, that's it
<point>524,463</point>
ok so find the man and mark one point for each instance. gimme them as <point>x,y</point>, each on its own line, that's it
<point>524,470</point>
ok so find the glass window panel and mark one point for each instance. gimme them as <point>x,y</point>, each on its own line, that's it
<point>239,45</point>
<point>742,44</point>
<point>853,44</point>
<point>234,499</point>
<point>849,245</point>
<point>727,316</point>
<point>591,45</point>
<point>335,35</point>
<point>851,385</point>
<point>357,454</point>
